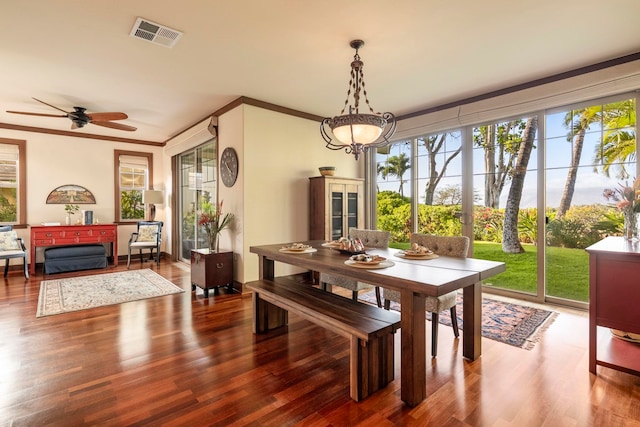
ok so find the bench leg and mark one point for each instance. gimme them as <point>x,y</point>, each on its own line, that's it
<point>371,365</point>
<point>267,316</point>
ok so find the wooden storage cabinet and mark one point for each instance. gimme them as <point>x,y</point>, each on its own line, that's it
<point>614,295</point>
<point>211,270</point>
<point>336,204</point>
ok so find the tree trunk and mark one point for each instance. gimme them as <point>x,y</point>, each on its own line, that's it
<point>433,146</point>
<point>510,240</point>
<point>490,168</point>
<point>570,184</point>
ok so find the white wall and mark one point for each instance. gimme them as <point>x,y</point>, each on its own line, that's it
<point>278,153</point>
<point>54,160</point>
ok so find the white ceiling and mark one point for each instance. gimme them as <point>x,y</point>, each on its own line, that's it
<point>293,53</point>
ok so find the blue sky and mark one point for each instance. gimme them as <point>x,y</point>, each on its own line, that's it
<point>589,185</point>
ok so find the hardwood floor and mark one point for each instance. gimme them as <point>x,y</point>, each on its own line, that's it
<point>183,359</point>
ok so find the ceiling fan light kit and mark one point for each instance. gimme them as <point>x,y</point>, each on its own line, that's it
<point>356,132</point>
<point>80,118</point>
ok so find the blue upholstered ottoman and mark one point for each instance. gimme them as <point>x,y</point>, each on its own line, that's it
<point>72,258</point>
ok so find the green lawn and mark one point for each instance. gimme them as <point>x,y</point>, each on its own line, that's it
<point>567,269</point>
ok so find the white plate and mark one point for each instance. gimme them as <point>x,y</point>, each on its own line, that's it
<point>298,251</point>
<point>410,256</point>
<point>383,264</point>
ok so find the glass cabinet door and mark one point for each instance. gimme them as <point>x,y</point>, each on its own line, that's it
<point>345,209</point>
<point>337,214</point>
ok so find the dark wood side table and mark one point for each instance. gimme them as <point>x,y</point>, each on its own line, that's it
<point>614,266</point>
<point>211,270</point>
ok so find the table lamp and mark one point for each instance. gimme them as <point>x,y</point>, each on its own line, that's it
<point>152,197</point>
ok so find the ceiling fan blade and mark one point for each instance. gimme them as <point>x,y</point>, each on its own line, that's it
<point>52,106</point>
<point>37,114</point>
<point>105,117</point>
<point>114,125</point>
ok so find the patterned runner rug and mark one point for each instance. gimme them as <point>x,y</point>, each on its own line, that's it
<point>512,324</point>
<point>79,293</point>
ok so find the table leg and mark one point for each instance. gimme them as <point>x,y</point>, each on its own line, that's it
<point>472,321</point>
<point>413,386</point>
<point>266,268</point>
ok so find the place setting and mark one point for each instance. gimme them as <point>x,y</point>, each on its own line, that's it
<point>368,261</point>
<point>298,248</point>
<point>416,252</point>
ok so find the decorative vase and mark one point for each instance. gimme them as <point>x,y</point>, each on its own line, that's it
<point>67,220</point>
<point>213,242</point>
<point>630,231</point>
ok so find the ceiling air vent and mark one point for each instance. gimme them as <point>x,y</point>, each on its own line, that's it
<point>155,33</point>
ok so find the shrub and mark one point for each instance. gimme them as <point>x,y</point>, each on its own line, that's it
<point>581,226</point>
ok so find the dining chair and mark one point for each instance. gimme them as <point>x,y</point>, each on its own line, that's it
<point>12,246</point>
<point>148,235</point>
<point>453,246</point>
<point>370,239</point>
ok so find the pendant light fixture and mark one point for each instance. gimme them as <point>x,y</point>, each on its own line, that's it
<point>356,132</point>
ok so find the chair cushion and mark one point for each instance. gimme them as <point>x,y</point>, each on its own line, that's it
<point>139,244</point>
<point>147,233</point>
<point>9,241</point>
<point>350,284</point>
<point>432,304</point>
<point>13,254</point>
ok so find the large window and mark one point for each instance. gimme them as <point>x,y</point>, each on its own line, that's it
<point>12,181</point>
<point>134,172</point>
<point>528,190</point>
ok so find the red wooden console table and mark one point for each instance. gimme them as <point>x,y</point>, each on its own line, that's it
<point>64,235</point>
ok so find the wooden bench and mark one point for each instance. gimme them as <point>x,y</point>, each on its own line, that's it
<point>370,330</point>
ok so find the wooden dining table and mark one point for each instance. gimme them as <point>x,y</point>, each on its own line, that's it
<point>414,279</point>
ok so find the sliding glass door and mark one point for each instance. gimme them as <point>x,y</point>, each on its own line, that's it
<point>198,183</point>
<point>505,190</point>
<point>534,185</point>
<point>589,148</point>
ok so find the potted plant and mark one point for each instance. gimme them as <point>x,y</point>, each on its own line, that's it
<point>213,222</point>
<point>70,210</point>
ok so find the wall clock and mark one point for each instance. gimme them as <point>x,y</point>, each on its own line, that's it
<point>229,166</point>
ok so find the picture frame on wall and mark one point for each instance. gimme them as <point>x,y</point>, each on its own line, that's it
<point>71,193</point>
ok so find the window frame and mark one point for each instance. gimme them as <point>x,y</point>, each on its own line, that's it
<point>21,180</point>
<point>117,153</point>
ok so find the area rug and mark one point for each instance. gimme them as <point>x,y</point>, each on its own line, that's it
<point>513,324</point>
<point>80,293</point>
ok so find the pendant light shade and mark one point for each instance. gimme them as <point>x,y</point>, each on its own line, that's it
<point>356,132</point>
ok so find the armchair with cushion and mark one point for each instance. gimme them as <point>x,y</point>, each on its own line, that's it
<point>147,236</point>
<point>370,239</point>
<point>454,246</point>
<point>12,246</point>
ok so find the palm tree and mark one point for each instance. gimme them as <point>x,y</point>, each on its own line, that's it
<point>619,139</point>
<point>398,166</point>
<point>510,240</point>
<point>579,121</point>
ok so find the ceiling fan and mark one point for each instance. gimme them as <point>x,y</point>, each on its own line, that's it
<point>79,118</point>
